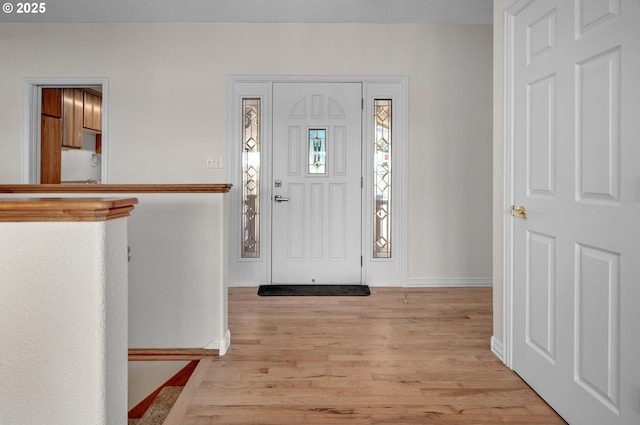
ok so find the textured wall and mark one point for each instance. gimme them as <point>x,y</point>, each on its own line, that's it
<point>63,322</point>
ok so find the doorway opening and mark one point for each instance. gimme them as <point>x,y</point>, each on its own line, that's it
<point>66,133</point>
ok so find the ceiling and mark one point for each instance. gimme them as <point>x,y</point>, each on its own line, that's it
<point>340,11</point>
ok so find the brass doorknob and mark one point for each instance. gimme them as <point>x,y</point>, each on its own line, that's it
<point>519,212</point>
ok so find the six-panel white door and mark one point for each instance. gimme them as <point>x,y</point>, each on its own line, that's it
<point>576,260</point>
<point>316,187</point>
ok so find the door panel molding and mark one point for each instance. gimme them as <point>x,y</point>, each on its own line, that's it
<point>569,295</point>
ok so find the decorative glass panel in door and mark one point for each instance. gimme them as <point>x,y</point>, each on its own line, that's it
<point>317,151</point>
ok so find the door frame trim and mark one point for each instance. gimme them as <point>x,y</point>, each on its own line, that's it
<point>31,103</point>
<point>256,271</point>
<point>509,178</point>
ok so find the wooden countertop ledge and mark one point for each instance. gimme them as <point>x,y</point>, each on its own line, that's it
<point>64,209</point>
<point>115,188</point>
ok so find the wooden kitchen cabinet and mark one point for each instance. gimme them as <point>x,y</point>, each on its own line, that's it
<point>99,143</point>
<point>52,102</point>
<point>92,119</point>
<point>51,135</point>
<point>50,150</point>
<point>72,118</point>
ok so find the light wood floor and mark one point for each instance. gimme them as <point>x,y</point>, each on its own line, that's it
<point>363,360</point>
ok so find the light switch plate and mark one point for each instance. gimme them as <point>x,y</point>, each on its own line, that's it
<point>214,162</point>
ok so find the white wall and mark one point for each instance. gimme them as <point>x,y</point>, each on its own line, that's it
<point>176,254</point>
<point>167,111</point>
<point>60,284</point>
<point>79,164</point>
<point>177,295</point>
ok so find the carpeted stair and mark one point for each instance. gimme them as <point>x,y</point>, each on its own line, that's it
<point>160,408</point>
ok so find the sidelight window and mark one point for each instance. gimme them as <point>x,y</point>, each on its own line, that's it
<point>251,114</point>
<point>382,179</point>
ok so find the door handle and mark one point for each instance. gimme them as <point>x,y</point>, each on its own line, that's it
<point>519,212</point>
<point>279,198</point>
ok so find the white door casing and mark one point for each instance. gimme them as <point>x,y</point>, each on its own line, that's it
<point>572,157</point>
<point>375,271</point>
<point>316,209</point>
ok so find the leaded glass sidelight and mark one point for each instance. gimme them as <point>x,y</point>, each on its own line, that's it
<point>251,110</point>
<point>382,179</point>
<point>317,151</point>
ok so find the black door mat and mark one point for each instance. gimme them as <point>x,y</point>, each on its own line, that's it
<point>314,290</point>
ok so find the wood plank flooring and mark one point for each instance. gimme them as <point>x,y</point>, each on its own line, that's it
<point>363,360</point>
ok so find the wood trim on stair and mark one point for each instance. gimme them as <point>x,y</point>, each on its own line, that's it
<point>170,354</point>
<point>194,355</point>
<point>180,379</point>
<point>64,209</point>
<point>188,393</point>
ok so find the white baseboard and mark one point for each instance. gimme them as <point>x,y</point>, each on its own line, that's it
<point>438,282</point>
<point>448,282</point>
<point>242,285</point>
<point>371,284</point>
<point>383,284</point>
<point>221,344</point>
<point>497,349</point>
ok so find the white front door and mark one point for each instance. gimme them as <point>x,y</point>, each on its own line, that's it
<point>576,256</point>
<point>316,187</point>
